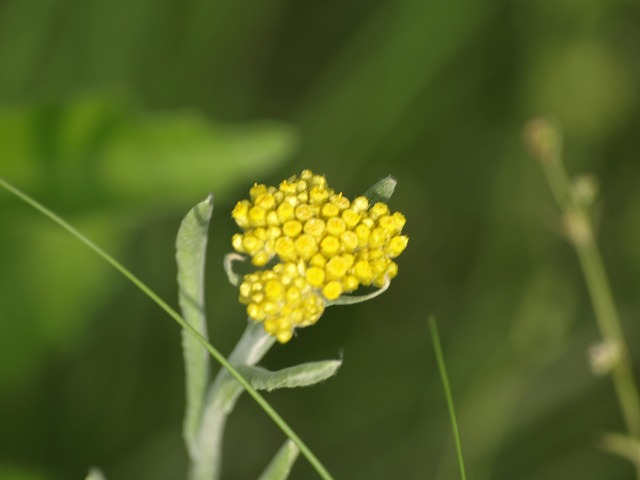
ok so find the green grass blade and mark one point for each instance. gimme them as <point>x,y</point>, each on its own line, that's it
<point>191,246</point>
<point>447,391</point>
<point>259,399</point>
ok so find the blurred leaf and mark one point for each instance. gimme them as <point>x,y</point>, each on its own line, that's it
<point>167,157</point>
<point>191,247</point>
<point>298,376</point>
<point>103,165</point>
<point>96,149</point>
<point>280,467</point>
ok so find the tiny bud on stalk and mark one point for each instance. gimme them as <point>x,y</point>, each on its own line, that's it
<point>542,139</point>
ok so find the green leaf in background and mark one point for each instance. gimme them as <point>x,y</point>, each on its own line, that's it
<point>191,246</point>
<point>280,467</point>
<point>298,376</point>
<point>106,167</point>
<point>160,158</point>
<point>98,149</point>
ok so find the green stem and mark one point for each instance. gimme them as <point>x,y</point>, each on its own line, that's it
<point>221,398</point>
<point>580,232</point>
<point>610,329</point>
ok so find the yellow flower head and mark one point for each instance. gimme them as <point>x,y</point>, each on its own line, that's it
<point>324,245</point>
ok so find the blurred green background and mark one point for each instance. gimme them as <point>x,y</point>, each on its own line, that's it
<point>120,115</point>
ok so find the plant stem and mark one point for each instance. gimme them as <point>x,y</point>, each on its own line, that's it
<point>545,139</point>
<point>609,325</point>
<point>221,398</point>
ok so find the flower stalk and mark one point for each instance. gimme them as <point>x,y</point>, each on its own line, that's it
<point>312,245</point>
<point>221,398</point>
<point>575,200</point>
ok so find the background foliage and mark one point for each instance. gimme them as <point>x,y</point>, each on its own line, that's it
<point>121,115</point>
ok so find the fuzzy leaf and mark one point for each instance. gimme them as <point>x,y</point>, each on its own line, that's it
<point>382,190</point>
<point>280,467</point>
<point>191,245</point>
<point>298,376</point>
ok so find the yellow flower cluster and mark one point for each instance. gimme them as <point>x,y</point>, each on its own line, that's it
<point>282,299</point>
<point>326,246</point>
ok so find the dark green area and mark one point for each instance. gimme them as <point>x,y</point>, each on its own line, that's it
<point>121,115</point>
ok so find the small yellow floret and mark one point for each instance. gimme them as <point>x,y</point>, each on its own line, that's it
<point>273,232</point>
<point>363,272</point>
<point>349,241</point>
<point>335,226</point>
<point>252,244</point>
<point>283,336</point>
<point>318,194</point>
<point>363,232</point>
<point>339,201</point>
<point>377,238</point>
<point>293,294</point>
<point>270,326</point>
<point>360,204</point>
<point>273,290</point>
<point>265,201</point>
<point>292,228</point>
<point>330,246</point>
<point>332,290</point>
<point>396,245</point>
<point>236,242</point>
<point>351,217</point>
<point>260,259</point>
<point>337,267</point>
<point>304,212</point>
<point>318,260</point>
<point>285,211</point>
<point>257,190</point>
<point>285,248</point>
<point>378,210</point>
<point>240,213</point>
<point>350,283</point>
<point>257,217</point>
<point>287,187</point>
<point>272,219</point>
<point>255,312</point>
<point>306,246</point>
<point>329,210</point>
<point>315,227</point>
<point>315,276</point>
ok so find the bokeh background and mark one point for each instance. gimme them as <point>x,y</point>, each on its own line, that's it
<point>122,114</point>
